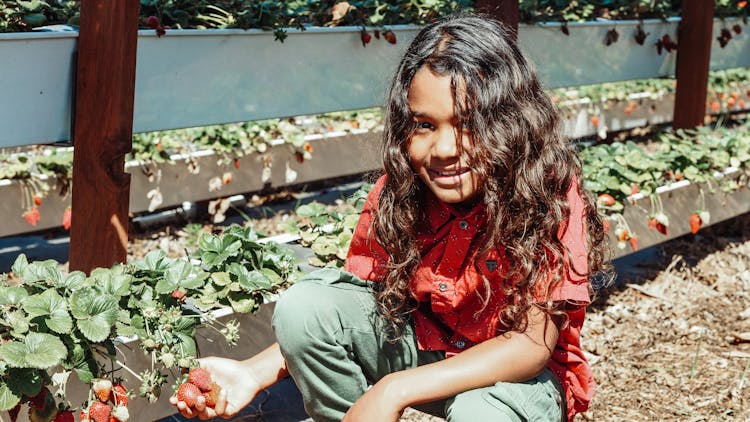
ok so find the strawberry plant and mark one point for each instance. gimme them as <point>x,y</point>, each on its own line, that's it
<point>54,323</point>
<point>328,233</point>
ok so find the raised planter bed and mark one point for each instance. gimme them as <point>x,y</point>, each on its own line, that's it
<point>334,155</point>
<point>679,201</point>
<point>175,90</point>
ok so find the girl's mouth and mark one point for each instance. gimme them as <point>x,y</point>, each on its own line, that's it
<point>448,177</point>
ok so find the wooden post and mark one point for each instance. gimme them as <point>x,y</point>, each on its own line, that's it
<point>506,11</point>
<point>105,88</point>
<point>695,35</point>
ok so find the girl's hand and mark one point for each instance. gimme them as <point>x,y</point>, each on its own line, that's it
<point>376,405</point>
<point>238,388</point>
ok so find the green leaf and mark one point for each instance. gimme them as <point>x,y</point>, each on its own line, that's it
<point>47,271</point>
<point>12,295</point>
<point>186,344</point>
<point>95,313</point>
<point>19,265</point>
<point>74,280</point>
<point>112,281</point>
<point>221,278</point>
<point>25,381</point>
<point>250,280</point>
<point>38,350</point>
<point>242,304</point>
<point>51,305</point>
<point>8,399</point>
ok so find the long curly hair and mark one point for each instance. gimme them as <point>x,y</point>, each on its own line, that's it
<point>519,152</point>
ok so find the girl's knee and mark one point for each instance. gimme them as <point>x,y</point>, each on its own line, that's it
<point>319,306</point>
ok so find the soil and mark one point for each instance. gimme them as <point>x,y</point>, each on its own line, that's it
<point>669,341</point>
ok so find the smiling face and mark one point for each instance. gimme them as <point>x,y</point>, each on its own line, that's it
<point>434,150</point>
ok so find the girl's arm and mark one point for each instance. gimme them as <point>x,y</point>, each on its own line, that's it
<point>512,357</point>
<point>241,381</point>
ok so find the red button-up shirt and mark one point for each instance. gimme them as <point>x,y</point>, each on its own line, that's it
<point>446,285</point>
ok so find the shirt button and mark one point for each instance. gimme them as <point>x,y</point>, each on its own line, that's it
<point>443,287</point>
<point>460,344</point>
<point>463,225</point>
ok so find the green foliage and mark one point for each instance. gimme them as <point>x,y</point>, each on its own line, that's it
<point>329,233</point>
<point>51,320</point>
<point>277,15</point>
<point>697,156</point>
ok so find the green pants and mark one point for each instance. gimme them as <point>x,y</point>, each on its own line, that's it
<point>333,343</point>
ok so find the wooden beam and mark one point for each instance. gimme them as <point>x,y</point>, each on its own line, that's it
<point>695,35</point>
<point>506,11</point>
<point>105,87</point>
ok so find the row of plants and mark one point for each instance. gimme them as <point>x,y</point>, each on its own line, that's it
<point>616,173</point>
<point>41,168</point>
<point>161,15</point>
<point>54,323</point>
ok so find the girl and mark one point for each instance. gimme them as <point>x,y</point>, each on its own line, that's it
<point>467,277</point>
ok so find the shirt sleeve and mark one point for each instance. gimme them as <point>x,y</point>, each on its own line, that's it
<point>366,257</point>
<point>574,285</point>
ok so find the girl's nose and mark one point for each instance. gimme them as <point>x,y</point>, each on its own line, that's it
<point>446,144</point>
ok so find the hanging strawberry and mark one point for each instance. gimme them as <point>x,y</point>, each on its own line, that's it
<point>611,37</point>
<point>32,216</point>
<point>695,223</point>
<point>640,35</point>
<point>662,222</point>
<point>366,37</point>
<point>66,218</point>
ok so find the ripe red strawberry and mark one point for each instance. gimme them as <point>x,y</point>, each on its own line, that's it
<point>299,157</point>
<point>390,37</point>
<point>695,223</point>
<point>100,412</point>
<point>200,378</point>
<point>715,106</point>
<point>377,33</point>
<point>179,295</point>
<point>226,178</point>
<point>66,218</point>
<point>661,228</point>
<point>595,120</point>
<point>605,200</point>
<point>37,200</point>
<point>119,395</point>
<point>366,37</point>
<point>153,22</point>
<point>32,216</point>
<point>307,147</point>
<point>40,399</point>
<point>652,223</point>
<point>236,163</point>
<point>189,394</point>
<point>64,416</point>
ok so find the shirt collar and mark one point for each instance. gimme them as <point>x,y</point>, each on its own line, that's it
<point>439,213</point>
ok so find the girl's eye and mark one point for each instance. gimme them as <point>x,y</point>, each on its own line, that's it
<point>423,125</point>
